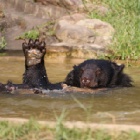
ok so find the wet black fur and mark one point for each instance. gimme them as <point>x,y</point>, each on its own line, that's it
<point>105,73</point>
<point>35,75</point>
<point>111,74</point>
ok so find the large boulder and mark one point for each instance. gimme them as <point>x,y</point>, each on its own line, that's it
<point>84,30</point>
<point>72,33</point>
<point>81,36</point>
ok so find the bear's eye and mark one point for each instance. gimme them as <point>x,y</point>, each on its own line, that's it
<point>98,72</point>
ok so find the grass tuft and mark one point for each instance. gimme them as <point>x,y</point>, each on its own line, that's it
<point>32,130</point>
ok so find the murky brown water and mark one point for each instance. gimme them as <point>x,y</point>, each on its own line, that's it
<point>115,106</point>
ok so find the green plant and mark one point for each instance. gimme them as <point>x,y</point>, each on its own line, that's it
<point>124,17</point>
<point>2,43</point>
<point>32,34</point>
<point>32,130</point>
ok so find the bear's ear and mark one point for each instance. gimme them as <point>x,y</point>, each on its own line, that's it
<point>74,67</point>
<point>98,71</point>
<point>121,67</point>
<point>118,68</point>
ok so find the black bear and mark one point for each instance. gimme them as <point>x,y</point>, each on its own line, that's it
<point>35,75</point>
<point>97,73</point>
<point>91,73</point>
<point>35,72</point>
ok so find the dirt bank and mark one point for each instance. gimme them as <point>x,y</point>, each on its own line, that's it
<point>79,125</point>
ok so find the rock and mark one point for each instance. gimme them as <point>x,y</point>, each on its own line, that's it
<point>72,33</point>
<point>84,31</point>
<point>1,13</point>
<point>48,11</point>
<point>16,23</point>
<point>3,24</point>
<point>73,18</point>
<point>69,4</point>
<point>103,30</point>
<point>76,5</point>
<point>93,7</point>
<point>2,20</point>
<point>10,35</point>
<point>74,50</point>
<point>81,37</point>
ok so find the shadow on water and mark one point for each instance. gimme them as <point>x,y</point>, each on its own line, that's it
<point>113,106</point>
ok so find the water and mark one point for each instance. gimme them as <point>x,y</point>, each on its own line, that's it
<point>115,106</point>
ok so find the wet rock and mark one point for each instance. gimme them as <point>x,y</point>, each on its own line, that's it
<point>74,50</point>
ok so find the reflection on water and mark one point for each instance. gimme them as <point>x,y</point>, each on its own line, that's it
<point>114,106</point>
